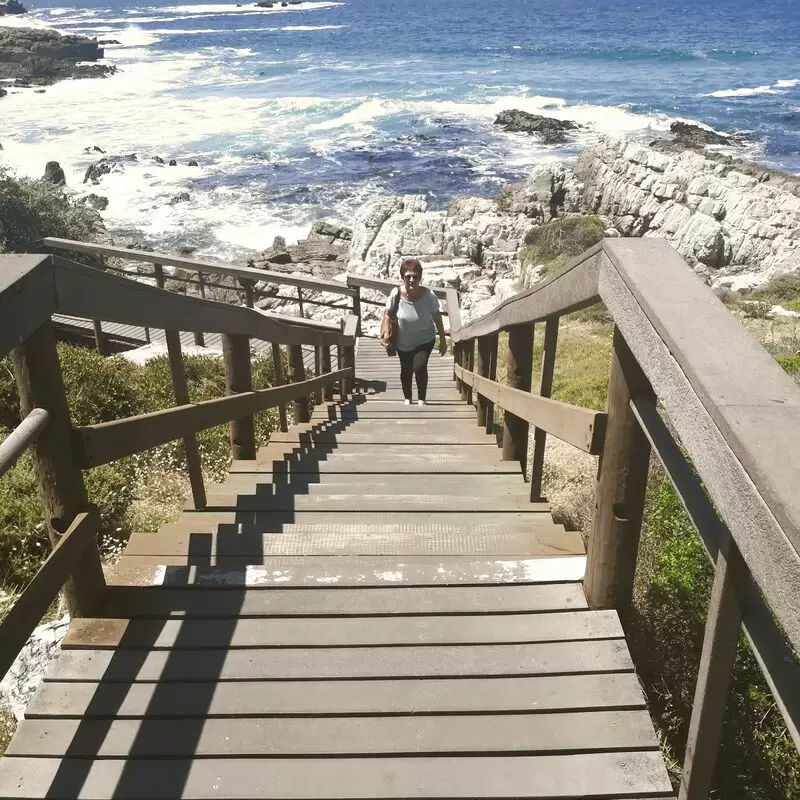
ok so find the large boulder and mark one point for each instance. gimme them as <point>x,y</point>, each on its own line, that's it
<point>105,166</point>
<point>53,173</point>
<point>736,224</point>
<point>12,7</point>
<point>688,136</point>
<point>551,131</point>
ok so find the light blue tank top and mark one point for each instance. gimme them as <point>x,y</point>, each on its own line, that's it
<point>415,319</point>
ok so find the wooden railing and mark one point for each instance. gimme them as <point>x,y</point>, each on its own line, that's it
<point>729,439</point>
<point>248,279</point>
<point>32,289</point>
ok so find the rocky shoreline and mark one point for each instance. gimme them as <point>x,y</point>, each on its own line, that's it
<point>34,58</point>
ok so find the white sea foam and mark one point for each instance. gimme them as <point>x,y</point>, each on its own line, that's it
<point>313,27</point>
<point>754,91</point>
<point>225,8</point>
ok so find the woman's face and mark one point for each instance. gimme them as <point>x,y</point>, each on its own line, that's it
<point>411,278</point>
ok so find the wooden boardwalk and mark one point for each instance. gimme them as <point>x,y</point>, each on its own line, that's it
<point>370,609</point>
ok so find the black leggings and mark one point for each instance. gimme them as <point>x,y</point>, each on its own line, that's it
<point>415,363</point>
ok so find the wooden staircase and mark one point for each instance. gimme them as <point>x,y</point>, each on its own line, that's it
<point>371,608</point>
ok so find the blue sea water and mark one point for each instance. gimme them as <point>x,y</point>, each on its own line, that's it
<point>305,111</point>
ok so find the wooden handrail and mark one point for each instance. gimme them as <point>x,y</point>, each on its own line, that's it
<point>109,441</point>
<point>580,427</point>
<point>31,605</point>
<point>247,273</point>
<point>83,291</point>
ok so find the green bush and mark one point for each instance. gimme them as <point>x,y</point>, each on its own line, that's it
<point>33,209</point>
<point>780,289</point>
<point>757,758</point>
<point>556,243</point>
<point>790,363</point>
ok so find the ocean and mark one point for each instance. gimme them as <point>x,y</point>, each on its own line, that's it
<point>305,111</point>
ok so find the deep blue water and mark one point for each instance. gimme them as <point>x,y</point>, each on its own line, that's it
<point>305,111</point>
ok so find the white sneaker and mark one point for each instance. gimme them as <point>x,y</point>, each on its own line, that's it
<point>422,402</point>
<point>406,402</point>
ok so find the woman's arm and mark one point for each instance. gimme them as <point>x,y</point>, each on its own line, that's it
<point>439,323</point>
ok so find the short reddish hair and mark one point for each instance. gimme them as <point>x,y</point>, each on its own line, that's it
<point>410,264</point>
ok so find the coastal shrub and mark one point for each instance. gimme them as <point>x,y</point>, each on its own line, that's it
<point>791,364</point>
<point>32,209</point>
<point>557,242</point>
<point>138,492</point>
<point>779,290</point>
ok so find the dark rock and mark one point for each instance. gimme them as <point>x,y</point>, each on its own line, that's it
<point>279,257</point>
<point>108,41</point>
<point>12,7</point>
<point>158,160</point>
<point>39,91</point>
<point>552,131</point>
<point>192,163</point>
<point>3,92</point>
<point>186,250</point>
<point>284,4</point>
<point>94,149</point>
<point>330,229</point>
<point>95,201</point>
<point>41,57</point>
<point>54,174</point>
<point>693,137</point>
<point>173,162</point>
<point>182,197</point>
<point>264,4</point>
<point>107,165</point>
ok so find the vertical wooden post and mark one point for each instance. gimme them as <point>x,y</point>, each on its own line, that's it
<point>238,379</point>
<point>545,390</point>
<point>482,363</point>
<point>297,373</point>
<point>731,578</point>
<point>300,301</point>
<point>342,381</point>
<point>199,339</point>
<point>621,485</point>
<point>194,465</point>
<point>326,368</point>
<point>348,361</point>
<point>278,380</point>
<point>491,346</point>
<point>518,376</point>
<point>318,371</point>
<point>59,480</point>
<point>147,335</point>
<point>462,362</point>
<point>99,337</point>
<point>249,291</point>
<point>469,364</point>
<point>357,309</point>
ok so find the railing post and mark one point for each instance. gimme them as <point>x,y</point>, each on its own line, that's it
<point>199,339</point>
<point>357,309</point>
<point>469,363</point>
<point>339,365</point>
<point>99,337</point>
<point>249,292</point>
<point>518,376</point>
<point>194,465</point>
<point>300,300</point>
<point>59,480</point>
<point>545,390</point>
<point>723,626</point>
<point>326,368</point>
<point>621,486</point>
<point>348,361</point>
<point>318,371</point>
<point>491,347</point>
<point>297,373</point>
<point>483,363</point>
<point>238,379</point>
<point>278,380</point>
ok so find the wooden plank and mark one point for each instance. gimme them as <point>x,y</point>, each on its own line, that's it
<point>459,735</point>
<point>225,602</point>
<point>276,466</point>
<point>86,292</point>
<point>620,690</point>
<point>27,297</point>
<point>349,570</point>
<point>581,427</point>
<point>109,441</point>
<point>570,290</point>
<point>469,436</point>
<point>346,503</point>
<point>583,775</point>
<point>99,634</point>
<point>537,538</point>
<point>607,655</point>
<point>742,467</point>
<point>329,287</point>
<point>29,608</point>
